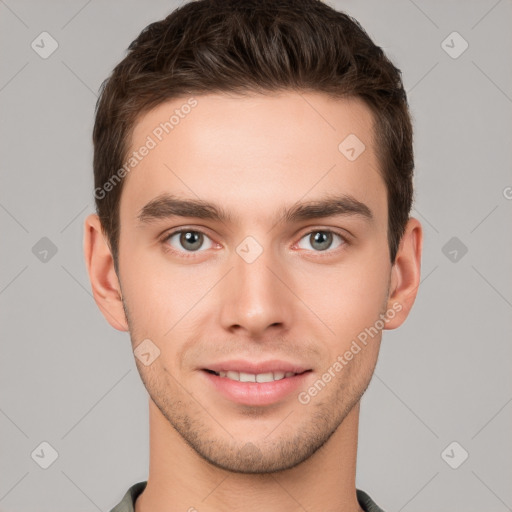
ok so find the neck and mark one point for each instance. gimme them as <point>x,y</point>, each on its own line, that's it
<point>179,479</point>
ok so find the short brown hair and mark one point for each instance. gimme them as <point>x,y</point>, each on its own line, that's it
<point>248,46</point>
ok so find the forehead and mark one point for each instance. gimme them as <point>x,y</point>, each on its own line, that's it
<point>243,151</point>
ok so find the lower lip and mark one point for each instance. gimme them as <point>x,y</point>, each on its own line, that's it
<point>256,393</point>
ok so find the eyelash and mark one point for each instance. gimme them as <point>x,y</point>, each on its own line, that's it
<point>192,254</point>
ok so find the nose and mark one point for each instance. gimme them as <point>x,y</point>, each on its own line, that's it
<point>256,298</point>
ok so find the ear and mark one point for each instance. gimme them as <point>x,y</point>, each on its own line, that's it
<point>405,274</point>
<point>100,267</point>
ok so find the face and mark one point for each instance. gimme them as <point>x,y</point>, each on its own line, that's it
<point>284,269</point>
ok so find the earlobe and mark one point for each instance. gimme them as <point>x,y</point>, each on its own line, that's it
<point>405,274</point>
<point>100,267</point>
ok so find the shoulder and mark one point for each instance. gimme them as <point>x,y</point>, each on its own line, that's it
<point>367,504</point>
<point>127,504</point>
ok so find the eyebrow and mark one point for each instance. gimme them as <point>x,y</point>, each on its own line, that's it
<point>166,206</point>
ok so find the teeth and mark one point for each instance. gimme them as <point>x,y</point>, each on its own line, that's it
<point>265,377</point>
<point>260,377</point>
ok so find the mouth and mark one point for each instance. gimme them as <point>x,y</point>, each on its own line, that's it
<point>274,383</point>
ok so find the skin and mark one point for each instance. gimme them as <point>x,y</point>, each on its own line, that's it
<point>253,156</point>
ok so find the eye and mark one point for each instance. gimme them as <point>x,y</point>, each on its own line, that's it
<point>190,240</point>
<point>321,240</point>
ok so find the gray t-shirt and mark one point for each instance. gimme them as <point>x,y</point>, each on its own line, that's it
<point>127,504</point>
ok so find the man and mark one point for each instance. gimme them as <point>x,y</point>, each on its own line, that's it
<point>253,169</point>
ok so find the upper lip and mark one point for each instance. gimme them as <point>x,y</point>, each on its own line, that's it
<point>240,365</point>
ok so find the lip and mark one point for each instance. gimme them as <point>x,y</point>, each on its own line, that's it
<point>256,393</point>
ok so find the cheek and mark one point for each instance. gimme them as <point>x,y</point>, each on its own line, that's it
<point>346,298</point>
<point>159,294</point>
<point>338,299</point>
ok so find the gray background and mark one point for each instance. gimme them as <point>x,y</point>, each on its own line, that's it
<point>69,379</point>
